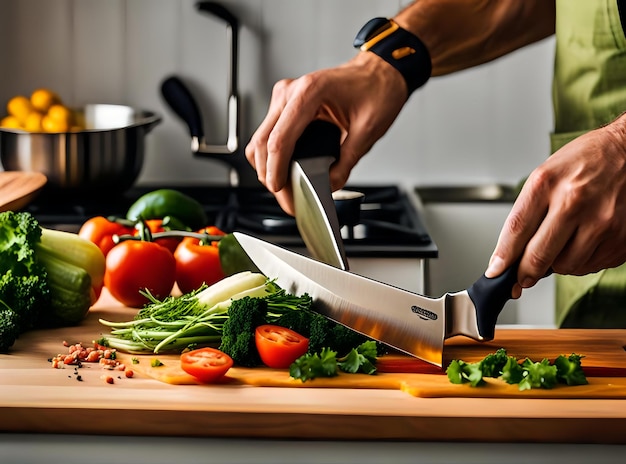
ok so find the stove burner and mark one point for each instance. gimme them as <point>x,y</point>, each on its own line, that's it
<point>389,225</point>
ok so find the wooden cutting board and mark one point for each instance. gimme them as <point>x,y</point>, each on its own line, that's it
<point>391,405</point>
<point>421,385</point>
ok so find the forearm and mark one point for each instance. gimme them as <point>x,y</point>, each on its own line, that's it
<point>460,34</point>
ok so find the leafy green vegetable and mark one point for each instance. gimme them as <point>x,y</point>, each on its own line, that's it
<point>512,372</point>
<point>461,372</point>
<point>492,364</point>
<point>194,318</point>
<point>527,374</point>
<point>569,369</point>
<point>310,366</point>
<point>197,318</point>
<point>24,290</point>
<point>326,364</point>
<point>9,328</point>
<point>360,359</point>
<point>322,332</point>
<point>538,375</point>
<point>244,316</point>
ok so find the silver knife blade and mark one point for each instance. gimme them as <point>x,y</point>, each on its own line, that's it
<point>409,322</point>
<point>316,216</point>
<point>315,212</point>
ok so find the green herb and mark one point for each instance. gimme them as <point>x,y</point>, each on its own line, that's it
<point>326,364</point>
<point>527,374</point>
<point>310,366</point>
<point>569,369</point>
<point>134,360</point>
<point>156,363</point>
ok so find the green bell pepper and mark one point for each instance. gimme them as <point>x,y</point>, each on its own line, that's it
<point>233,258</point>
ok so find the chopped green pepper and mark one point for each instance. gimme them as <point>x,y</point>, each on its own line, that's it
<point>161,203</point>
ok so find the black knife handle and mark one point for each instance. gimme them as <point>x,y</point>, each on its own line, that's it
<point>320,138</point>
<point>489,296</point>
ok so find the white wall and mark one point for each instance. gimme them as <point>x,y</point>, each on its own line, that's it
<point>486,124</point>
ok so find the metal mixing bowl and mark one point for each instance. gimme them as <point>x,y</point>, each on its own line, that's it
<point>107,154</point>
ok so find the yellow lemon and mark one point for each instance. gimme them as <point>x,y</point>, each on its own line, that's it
<point>43,99</point>
<point>19,107</point>
<point>10,122</point>
<point>50,124</point>
<point>33,122</point>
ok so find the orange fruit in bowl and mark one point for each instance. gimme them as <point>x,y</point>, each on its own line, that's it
<point>19,107</point>
<point>33,122</point>
<point>10,122</point>
<point>43,99</point>
<point>50,124</point>
<point>59,112</point>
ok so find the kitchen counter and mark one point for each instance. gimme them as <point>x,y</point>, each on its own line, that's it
<point>37,401</point>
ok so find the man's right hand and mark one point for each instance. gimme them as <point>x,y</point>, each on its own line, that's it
<point>363,97</point>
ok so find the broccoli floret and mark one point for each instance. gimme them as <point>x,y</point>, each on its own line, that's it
<point>298,321</point>
<point>323,333</point>
<point>9,329</point>
<point>23,282</point>
<point>244,316</point>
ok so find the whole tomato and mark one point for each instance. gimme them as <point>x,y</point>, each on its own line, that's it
<point>135,265</point>
<point>158,225</point>
<point>101,230</point>
<point>198,263</point>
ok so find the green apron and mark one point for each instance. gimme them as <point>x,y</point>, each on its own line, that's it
<point>589,90</point>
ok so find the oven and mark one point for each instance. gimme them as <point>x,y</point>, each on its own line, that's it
<point>388,242</point>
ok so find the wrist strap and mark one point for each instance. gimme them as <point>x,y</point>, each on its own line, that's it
<point>398,47</point>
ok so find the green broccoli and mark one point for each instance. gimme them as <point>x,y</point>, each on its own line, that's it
<point>23,282</point>
<point>9,329</point>
<point>244,316</point>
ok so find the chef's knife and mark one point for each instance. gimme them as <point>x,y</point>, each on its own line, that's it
<point>412,323</point>
<point>315,211</point>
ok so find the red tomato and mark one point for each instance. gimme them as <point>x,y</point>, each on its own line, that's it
<point>198,263</point>
<point>100,231</point>
<point>206,364</point>
<point>279,346</point>
<point>156,225</point>
<point>135,265</point>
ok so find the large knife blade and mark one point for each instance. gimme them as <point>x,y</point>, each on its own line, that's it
<point>412,323</point>
<point>315,212</point>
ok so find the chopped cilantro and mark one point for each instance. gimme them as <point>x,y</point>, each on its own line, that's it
<point>527,374</point>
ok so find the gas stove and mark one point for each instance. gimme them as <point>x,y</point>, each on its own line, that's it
<point>389,229</point>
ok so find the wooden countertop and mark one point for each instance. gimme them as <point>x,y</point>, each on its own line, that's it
<point>39,399</point>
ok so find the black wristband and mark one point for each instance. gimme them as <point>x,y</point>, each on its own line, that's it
<point>398,47</point>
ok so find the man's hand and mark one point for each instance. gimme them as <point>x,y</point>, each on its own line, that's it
<point>571,213</point>
<point>363,97</point>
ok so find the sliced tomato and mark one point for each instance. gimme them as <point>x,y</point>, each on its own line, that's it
<point>279,346</point>
<point>206,364</point>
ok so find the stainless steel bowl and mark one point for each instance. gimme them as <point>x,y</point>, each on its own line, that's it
<point>108,153</point>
